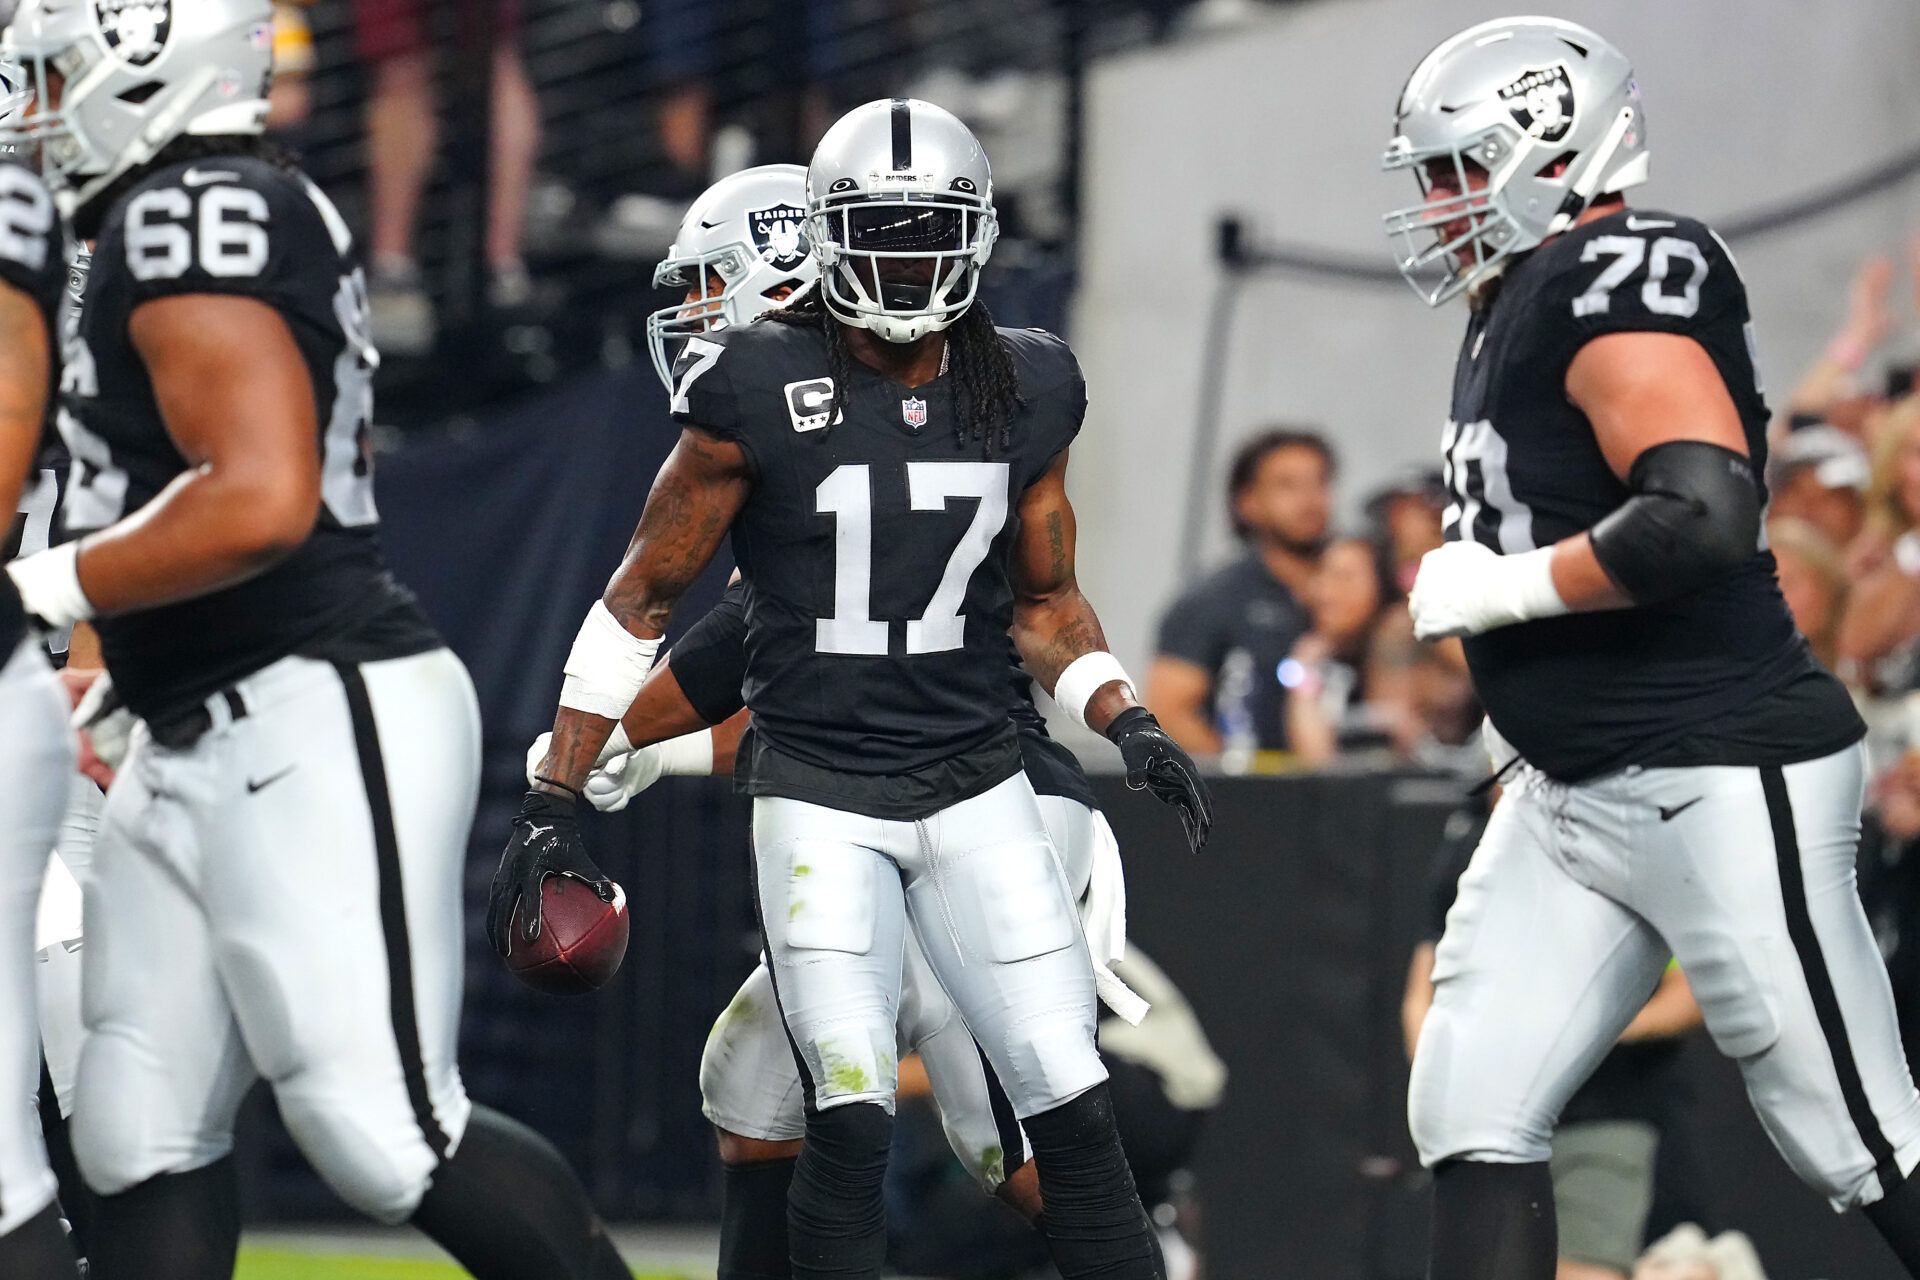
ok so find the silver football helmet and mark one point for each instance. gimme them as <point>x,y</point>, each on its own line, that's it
<point>748,230</point>
<point>1551,114</point>
<point>900,213</point>
<point>133,76</point>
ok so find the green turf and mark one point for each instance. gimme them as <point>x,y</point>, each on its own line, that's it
<point>275,1264</point>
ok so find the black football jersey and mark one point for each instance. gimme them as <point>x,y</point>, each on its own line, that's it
<point>243,226</point>
<point>877,546</point>
<point>710,664</point>
<point>32,260</point>
<point>1701,679</point>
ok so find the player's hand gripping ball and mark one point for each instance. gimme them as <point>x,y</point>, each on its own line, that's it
<point>560,924</point>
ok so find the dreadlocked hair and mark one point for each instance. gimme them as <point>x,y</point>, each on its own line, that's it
<point>987,391</point>
<point>217,146</point>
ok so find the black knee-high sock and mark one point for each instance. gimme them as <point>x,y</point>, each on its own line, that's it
<point>76,1201</point>
<point>178,1226</point>
<point>753,1221</point>
<point>1095,1227</point>
<point>836,1220</point>
<point>1493,1222</point>
<point>507,1206</point>
<point>1897,1217</point>
<point>38,1249</point>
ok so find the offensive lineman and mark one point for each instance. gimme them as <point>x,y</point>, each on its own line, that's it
<point>1683,778</point>
<point>36,751</point>
<point>276,885</point>
<point>886,574</point>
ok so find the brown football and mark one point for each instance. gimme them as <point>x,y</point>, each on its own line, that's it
<point>582,939</point>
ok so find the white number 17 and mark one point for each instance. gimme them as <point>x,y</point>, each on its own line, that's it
<point>847,495</point>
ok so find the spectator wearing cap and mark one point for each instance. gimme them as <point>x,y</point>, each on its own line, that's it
<point>1215,679</point>
<point>1819,474</point>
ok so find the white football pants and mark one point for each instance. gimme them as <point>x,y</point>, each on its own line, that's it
<point>1566,918</point>
<point>282,899</point>
<point>36,769</point>
<point>991,908</point>
<point>750,1085</point>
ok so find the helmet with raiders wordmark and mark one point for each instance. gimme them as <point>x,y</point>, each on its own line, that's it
<point>133,75</point>
<point>1547,110</point>
<point>748,232</point>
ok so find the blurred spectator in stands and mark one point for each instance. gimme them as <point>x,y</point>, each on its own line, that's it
<point>1889,870</point>
<point>1406,518</point>
<point>1832,390</point>
<point>1608,1139</point>
<point>1215,680</point>
<point>1820,474</point>
<point>291,101</point>
<point>1814,580</point>
<point>694,53</point>
<point>1348,678</point>
<point>396,41</point>
<point>1882,618</point>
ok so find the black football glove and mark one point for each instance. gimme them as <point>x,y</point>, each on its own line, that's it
<point>1156,763</point>
<point>545,842</point>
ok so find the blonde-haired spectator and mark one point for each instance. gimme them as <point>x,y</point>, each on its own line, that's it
<point>1883,617</point>
<point>1813,578</point>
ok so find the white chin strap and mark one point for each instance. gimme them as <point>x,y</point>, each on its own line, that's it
<point>1589,179</point>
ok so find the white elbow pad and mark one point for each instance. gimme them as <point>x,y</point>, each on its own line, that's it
<point>607,665</point>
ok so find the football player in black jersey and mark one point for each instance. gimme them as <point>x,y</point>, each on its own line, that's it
<point>36,753</point>
<point>1683,779</point>
<point>276,884</point>
<point>892,471</point>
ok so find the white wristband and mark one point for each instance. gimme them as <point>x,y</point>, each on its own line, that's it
<point>1529,579</point>
<point>688,756</point>
<point>1085,676</point>
<point>49,586</point>
<point>607,665</point>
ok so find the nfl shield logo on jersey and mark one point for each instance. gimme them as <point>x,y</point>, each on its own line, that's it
<point>914,412</point>
<point>136,30</point>
<point>777,232</point>
<point>1541,102</point>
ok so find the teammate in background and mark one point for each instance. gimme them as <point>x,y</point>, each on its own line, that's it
<point>36,753</point>
<point>279,868</point>
<point>75,653</point>
<point>867,449</point>
<point>1683,779</point>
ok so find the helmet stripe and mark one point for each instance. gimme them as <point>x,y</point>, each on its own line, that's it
<point>902,135</point>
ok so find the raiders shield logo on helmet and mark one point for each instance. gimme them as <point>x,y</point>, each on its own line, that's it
<point>136,30</point>
<point>1541,102</point>
<point>779,233</point>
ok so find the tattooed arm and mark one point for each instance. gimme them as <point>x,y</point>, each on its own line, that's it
<point>1052,622</point>
<point>695,497</point>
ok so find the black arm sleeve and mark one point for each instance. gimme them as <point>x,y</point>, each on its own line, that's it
<point>1694,515</point>
<point>710,660</point>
